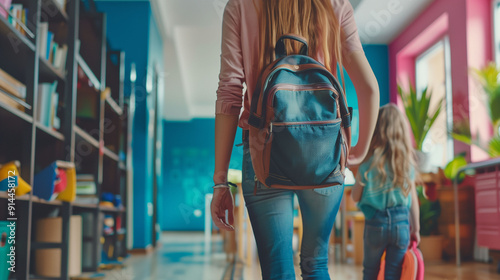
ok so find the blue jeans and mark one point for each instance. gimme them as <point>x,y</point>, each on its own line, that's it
<point>389,231</point>
<point>271,214</point>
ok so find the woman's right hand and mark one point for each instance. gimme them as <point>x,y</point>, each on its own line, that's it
<point>356,157</point>
<point>222,200</point>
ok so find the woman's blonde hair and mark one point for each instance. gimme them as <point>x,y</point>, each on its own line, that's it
<point>391,149</point>
<point>314,20</point>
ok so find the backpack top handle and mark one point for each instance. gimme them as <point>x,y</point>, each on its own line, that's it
<point>280,50</point>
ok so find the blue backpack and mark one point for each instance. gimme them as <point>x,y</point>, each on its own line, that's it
<point>299,134</point>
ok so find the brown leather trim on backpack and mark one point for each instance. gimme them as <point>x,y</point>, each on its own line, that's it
<point>346,141</point>
<point>294,68</point>
<point>260,149</point>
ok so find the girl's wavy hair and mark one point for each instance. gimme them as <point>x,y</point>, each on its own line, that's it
<point>391,149</point>
<point>313,19</point>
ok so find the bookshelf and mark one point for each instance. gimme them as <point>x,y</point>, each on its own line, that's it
<point>88,126</point>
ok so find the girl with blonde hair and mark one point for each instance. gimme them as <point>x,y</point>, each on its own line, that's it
<point>385,189</point>
<point>249,32</point>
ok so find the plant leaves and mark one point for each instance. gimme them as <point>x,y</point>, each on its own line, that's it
<point>494,147</point>
<point>451,169</point>
<point>418,112</point>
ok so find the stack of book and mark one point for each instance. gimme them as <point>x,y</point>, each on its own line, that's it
<point>17,16</point>
<point>49,49</point>
<point>48,100</point>
<point>86,191</point>
<point>12,92</point>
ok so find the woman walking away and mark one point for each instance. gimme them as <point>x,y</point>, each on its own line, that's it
<point>385,189</point>
<point>250,31</point>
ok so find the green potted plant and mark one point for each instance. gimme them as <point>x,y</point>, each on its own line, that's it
<point>421,117</point>
<point>430,210</point>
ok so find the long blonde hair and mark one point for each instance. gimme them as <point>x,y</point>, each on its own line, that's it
<point>391,149</point>
<point>313,19</point>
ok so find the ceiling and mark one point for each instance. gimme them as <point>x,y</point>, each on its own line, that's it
<point>192,35</point>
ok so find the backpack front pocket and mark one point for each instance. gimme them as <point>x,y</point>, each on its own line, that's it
<point>303,153</point>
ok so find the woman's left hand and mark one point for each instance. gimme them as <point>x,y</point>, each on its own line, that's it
<point>222,200</point>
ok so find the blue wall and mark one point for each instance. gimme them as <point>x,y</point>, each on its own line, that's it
<point>188,170</point>
<point>189,158</point>
<point>131,28</point>
<point>378,57</point>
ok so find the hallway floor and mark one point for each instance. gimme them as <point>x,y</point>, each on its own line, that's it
<point>181,257</point>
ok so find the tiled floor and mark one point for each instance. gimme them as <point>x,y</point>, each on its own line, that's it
<point>181,257</point>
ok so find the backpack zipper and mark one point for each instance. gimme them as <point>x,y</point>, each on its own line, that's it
<point>271,124</point>
<point>313,87</point>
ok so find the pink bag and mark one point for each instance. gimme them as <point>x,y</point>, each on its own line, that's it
<point>420,260</point>
<point>413,264</point>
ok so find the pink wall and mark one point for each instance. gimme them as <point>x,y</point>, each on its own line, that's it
<point>480,51</point>
<point>470,46</point>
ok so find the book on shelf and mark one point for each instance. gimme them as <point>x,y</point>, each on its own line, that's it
<point>43,30</point>
<point>11,85</point>
<point>50,42</point>
<point>18,16</point>
<point>59,57</point>
<point>5,8</point>
<point>47,104</point>
<point>85,185</point>
<point>87,199</point>
<point>13,101</point>
<point>52,51</point>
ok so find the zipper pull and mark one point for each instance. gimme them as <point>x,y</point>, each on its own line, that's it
<point>255,186</point>
<point>270,127</point>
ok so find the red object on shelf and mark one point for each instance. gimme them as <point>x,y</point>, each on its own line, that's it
<point>118,225</point>
<point>61,181</point>
<point>487,200</point>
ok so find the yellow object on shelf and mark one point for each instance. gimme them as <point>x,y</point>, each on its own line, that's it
<point>11,169</point>
<point>69,193</point>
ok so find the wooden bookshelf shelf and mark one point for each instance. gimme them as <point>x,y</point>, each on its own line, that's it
<point>111,210</point>
<point>86,69</point>
<point>111,155</point>
<point>85,136</point>
<point>11,34</point>
<point>84,118</point>
<point>113,105</point>
<point>50,132</point>
<point>40,201</point>
<point>48,73</point>
<point>7,113</point>
<point>57,12</point>
<point>33,277</point>
<point>84,206</point>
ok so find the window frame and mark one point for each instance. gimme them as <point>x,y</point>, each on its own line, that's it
<point>445,42</point>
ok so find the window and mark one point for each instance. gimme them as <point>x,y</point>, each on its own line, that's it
<point>433,70</point>
<point>496,30</point>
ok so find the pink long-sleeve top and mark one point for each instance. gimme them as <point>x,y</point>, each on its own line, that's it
<point>240,53</point>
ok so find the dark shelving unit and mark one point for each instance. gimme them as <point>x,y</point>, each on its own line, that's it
<point>96,144</point>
